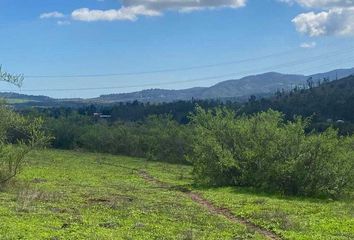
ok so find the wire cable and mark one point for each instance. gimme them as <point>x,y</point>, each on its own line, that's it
<point>168,70</point>
<point>284,65</point>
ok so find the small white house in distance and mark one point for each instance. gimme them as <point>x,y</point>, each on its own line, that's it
<point>103,116</point>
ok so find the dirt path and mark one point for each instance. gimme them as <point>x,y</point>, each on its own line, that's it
<point>211,207</point>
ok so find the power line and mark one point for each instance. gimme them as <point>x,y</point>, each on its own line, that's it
<point>350,58</point>
<point>167,70</point>
<point>284,65</point>
<point>159,70</point>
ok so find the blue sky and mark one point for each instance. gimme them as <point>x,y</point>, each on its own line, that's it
<point>56,38</point>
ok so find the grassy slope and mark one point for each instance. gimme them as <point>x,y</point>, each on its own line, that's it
<point>290,217</point>
<point>78,196</point>
<point>17,100</point>
<point>69,195</point>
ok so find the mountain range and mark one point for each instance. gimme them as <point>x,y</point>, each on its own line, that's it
<point>236,89</point>
<point>262,84</point>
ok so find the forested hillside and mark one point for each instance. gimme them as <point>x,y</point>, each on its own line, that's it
<point>326,102</point>
<point>329,104</point>
<point>236,90</point>
<point>239,89</point>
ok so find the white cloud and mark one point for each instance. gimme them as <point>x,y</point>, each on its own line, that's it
<point>186,5</point>
<point>52,15</point>
<point>328,17</point>
<point>308,45</point>
<point>124,13</point>
<point>132,9</point>
<point>336,21</point>
<point>322,3</point>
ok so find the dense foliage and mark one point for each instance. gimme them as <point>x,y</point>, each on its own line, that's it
<point>263,150</point>
<point>266,152</point>
<point>326,102</point>
<point>133,111</point>
<point>156,138</point>
<point>18,136</point>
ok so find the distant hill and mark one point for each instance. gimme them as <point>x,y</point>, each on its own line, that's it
<point>262,84</point>
<point>153,95</point>
<point>24,97</point>
<point>329,102</point>
<point>238,89</point>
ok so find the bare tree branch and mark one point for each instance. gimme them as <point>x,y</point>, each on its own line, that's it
<point>15,79</point>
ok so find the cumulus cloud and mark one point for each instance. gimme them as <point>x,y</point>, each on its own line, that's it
<point>185,5</point>
<point>132,9</point>
<point>124,13</point>
<point>322,3</point>
<point>336,21</point>
<point>52,15</point>
<point>327,17</point>
<point>308,45</point>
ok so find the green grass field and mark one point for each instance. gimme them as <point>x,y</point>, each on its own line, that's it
<point>17,100</point>
<point>73,195</point>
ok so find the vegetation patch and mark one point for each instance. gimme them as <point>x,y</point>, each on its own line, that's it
<point>267,152</point>
<point>83,199</point>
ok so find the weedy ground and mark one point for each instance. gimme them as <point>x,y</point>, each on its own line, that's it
<point>74,195</point>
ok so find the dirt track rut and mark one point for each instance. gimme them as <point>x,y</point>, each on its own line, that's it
<point>211,207</point>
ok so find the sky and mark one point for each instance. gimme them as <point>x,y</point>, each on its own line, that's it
<point>85,48</point>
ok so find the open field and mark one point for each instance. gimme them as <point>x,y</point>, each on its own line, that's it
<point>73,195</point>
<point>17,101</point>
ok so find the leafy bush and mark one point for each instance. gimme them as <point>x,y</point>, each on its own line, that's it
<point>18,136</point>
<point>119,138</point>
<point>66,130</point>
<point>267,152</point>
<point>325,165</point>
<point>167,140</point>
<point>157,138</point>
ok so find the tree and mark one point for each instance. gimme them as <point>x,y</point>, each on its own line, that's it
<point>310,83</point>
<point>18,135</point>
<point>15,79</point>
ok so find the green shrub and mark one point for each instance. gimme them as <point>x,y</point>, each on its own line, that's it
<point>325,165</point>
<point>167,140</point>
<point>158,138</point>
<point>18,136</point>
<point>267,152</point>
<point>66,130</point>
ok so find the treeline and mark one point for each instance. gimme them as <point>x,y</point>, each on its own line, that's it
<point>134,111</point>
<point>156,138</point>
<point>325,102</point>
<point>262,150</point>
